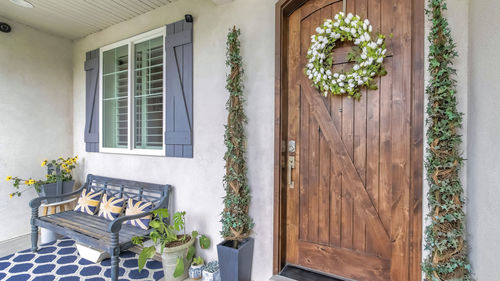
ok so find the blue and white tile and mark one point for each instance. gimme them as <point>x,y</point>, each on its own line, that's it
<point>59,261</point>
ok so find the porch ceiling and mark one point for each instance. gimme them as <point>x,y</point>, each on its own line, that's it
<point>75,19</point>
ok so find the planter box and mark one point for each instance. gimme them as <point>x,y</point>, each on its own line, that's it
<point>236,264</point>
<point>195,271</point>
<point>209,276</point>
<point>52,190</point>
<point>91,254</point>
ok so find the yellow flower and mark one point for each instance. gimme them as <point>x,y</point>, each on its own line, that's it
<point>27,182</point>
<point>44,163</point>
<point>64,166</point>
<point>11,195</point>
<point>32,182</point>
<point>8,178</point>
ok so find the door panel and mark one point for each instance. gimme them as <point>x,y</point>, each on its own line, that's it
<point>347,212</point>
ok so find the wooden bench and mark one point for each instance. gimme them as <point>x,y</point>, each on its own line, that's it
<point>92,230</point>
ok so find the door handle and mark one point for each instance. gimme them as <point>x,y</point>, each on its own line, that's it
<point>290,166</point>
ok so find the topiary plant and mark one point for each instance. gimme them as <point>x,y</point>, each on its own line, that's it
<point>445,235</point>
<point>236,222</point>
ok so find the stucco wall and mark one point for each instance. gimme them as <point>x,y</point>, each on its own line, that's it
<point>198,181</point>
<point>484,135</point>
<point>35,113</point>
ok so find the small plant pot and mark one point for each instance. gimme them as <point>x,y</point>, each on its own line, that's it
<point>47,236</point>
<point>169,260</point>
<point>211,276</point>
<point>195,271</point>
<point>236,264</point>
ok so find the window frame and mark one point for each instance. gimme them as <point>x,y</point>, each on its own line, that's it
<point>130,42</point>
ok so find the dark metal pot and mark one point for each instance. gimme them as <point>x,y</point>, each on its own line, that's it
<point>236,264</point>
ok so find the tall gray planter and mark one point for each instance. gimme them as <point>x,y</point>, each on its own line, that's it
<point>236,264</point>
<point>52,189</point>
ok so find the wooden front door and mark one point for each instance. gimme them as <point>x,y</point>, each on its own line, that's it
<point>349,198</point>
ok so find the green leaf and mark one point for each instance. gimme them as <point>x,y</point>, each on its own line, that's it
<point>179,267</point>
<point>198,261</point>
<point>145,254</point>
<point>163,213</point>
<point>179,220</point>
<point>137,240</point>
<point>204,242</point>
<point>191,252</point>
<point>155,224</point>
<point>194,234</point>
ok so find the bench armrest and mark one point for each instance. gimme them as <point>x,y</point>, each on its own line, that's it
<point>116,224</point>
<point>35,203</point>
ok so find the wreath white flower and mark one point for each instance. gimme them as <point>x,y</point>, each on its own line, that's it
<point>368,56</point>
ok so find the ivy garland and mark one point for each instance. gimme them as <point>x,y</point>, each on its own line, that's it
<point>236,223</point>
<point>445,235</point>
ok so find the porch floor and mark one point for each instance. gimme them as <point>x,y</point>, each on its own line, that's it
<point>59,260</point>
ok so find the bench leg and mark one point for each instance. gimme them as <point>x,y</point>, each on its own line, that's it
<point>34,230</point>
<point>115,256</point>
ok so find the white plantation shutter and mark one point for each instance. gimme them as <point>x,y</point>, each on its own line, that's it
<point>115,97</point>
<point>148,94</point>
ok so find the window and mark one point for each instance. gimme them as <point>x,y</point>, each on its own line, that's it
<point>133,94</point>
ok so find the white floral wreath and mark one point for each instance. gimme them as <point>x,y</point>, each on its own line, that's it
<point>368,56</point>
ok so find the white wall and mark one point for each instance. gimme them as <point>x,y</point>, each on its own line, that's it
<point>198,181</point>
<point>484,136</point>
<point>35,113</point>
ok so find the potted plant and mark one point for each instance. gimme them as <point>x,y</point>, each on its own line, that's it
<point>59,179</point>
<point>196,268</point>
<point>236,251</point>
<point>211,272</point>
<point>171,241</point>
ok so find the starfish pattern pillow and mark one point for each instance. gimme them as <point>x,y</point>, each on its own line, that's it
<point>135,207</point>
<point>88,202</point>
<point>111,207</point>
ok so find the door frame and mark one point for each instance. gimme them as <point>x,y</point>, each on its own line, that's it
<point>285,8</point>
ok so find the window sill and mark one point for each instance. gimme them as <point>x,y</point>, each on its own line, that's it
<point>138,152</point>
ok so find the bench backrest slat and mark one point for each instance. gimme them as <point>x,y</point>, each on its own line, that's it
<point>136,190</point>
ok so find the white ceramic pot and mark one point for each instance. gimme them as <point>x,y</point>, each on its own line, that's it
<point>195,271</point>
<point>169,260</point>
<point>47,236</point>
<point>211,276</point>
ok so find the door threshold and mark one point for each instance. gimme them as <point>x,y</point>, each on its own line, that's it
<point>304,274</point>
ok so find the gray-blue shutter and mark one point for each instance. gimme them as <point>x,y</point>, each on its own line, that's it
<point>179,89</point>
<point>92,101</point>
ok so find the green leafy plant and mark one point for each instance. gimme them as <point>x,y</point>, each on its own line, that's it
<point>164,235</point>
<point>236,222</point>
<point>198,261</point>
<point>445,235</point>
<point>57,170</point>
